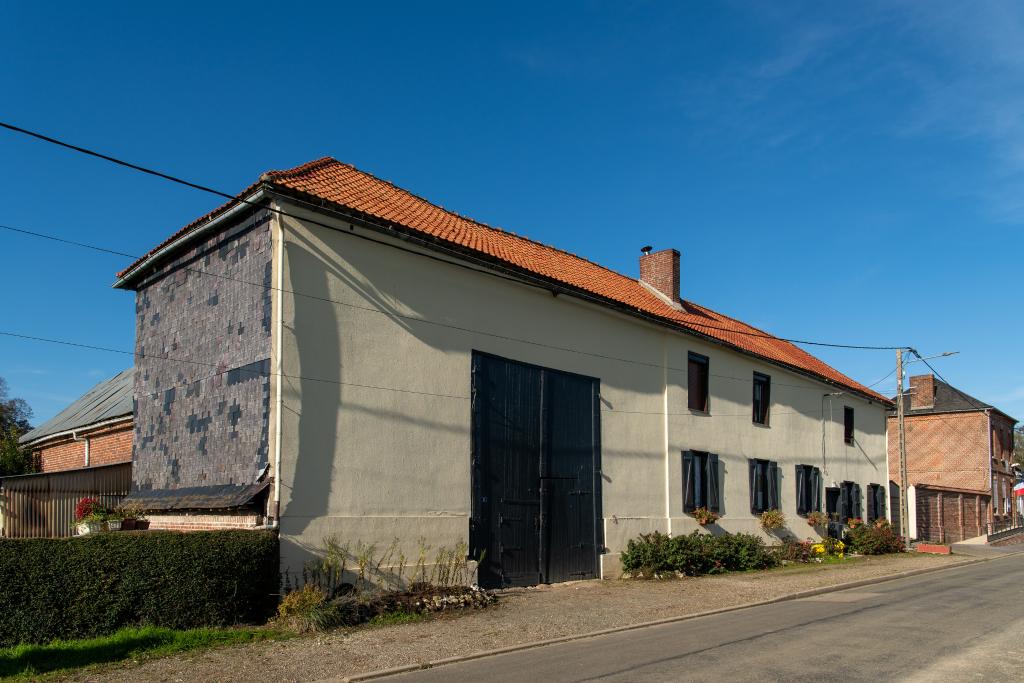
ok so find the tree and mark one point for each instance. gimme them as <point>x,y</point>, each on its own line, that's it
<point>14,421</point>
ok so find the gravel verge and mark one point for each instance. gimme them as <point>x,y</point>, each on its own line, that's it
<point>522,616</point>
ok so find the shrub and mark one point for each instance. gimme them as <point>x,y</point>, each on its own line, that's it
<point>772,519</point>
<point>695,554</point>
<point>93,585</point>
<point>798,551</point>
<point>879,539</point>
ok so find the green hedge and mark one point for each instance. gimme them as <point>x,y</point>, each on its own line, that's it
<point>696,554</point>
<point>93,585</point>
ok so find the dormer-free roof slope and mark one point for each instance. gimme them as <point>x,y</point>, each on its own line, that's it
<point>328,181</point>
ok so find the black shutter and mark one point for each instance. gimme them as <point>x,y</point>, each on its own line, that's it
<point>815,489</point>
<point>712,482</point>
<point>801,490</point>
<point>773,486</point>
<point>753,487</point>
<point>688,481</point>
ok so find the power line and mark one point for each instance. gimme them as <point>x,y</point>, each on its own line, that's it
<point>394,314</point>
<point>258,373</point>
<point>181,181</point>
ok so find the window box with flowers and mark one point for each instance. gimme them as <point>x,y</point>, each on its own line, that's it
<point>705,516</point>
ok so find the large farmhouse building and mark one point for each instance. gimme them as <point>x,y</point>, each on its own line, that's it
<point>333,355</point>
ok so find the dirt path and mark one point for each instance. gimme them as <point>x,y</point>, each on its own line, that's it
<point>523,616</point>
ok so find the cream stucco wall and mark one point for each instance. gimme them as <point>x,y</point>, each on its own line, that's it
<point>375,400</point>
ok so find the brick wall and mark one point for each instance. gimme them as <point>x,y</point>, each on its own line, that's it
<point>660,270</point>
<point>943,449</point>
<point>204,521</point>
<point>952,450</point>
<point>949,516</point>
<point>107,445</point>
<point>202,417</point>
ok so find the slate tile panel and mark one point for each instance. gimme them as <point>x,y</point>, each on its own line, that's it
<point>202,386</point>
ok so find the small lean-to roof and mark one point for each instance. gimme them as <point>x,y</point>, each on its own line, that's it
<point>108,400</point>
<point>329,182</point>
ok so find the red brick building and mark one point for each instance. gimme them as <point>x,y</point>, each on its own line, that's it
<point>94,430</point>
<point>955,442</point>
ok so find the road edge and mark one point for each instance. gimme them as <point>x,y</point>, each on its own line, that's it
<point>406,668</point>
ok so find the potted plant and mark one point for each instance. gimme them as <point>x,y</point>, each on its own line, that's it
<point>131,515</point>
<point>114,520</point>
<point>772,520</point>
<point>854,522</point>
<point>818,520</point>
<point>705,516</point>
<point>89,516</point>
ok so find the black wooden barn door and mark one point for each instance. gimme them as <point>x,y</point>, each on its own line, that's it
<point>535,466</point>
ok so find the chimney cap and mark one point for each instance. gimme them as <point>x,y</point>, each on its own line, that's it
<point>646,249</point>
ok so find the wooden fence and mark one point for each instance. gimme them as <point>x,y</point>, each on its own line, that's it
<point>43,505</point>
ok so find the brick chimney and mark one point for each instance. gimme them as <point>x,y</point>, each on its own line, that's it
<point>922,392</point>
<point>660,270</point>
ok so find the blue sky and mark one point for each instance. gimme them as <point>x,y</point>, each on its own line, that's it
<point>847,172</point>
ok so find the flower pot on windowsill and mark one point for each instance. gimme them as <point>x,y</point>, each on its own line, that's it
<point>127,524</point>
<point>141,524</point>
<point>113,525</point>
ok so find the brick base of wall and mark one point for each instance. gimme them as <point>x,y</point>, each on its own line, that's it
<point>201,521</point>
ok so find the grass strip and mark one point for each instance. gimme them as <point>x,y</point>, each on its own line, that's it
<point>30,661</point>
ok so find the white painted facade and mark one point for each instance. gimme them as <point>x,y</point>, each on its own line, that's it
<point>374,408</point>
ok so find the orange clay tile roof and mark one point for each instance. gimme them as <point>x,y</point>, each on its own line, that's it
<point>346,186</point>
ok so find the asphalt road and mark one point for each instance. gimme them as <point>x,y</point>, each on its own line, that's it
<point>965,623</point>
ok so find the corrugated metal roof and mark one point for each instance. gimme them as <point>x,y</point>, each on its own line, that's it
<point>219,497</point>
<point>107,400</point>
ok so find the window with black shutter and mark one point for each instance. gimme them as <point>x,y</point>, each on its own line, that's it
<point>849,502</point>
<point>848,424</point>
<point>697,382</point>
<point>764,486</point>
<point>701,487</point>
<point>808,489</point>
<point>762,397</point>
<point>876,502</point>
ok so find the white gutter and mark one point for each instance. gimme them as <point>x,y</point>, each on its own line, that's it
<point>277,227</point>
<point>664,408</point>
<point>243,204</point>
<point>71,432</point>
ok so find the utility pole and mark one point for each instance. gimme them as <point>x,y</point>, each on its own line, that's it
<point>904,514</point>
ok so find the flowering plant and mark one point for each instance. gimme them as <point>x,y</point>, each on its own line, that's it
<point>705,516</point>
<point>89,509</point>
<point>772,519</point>
<point>817,519</point>
<point>854,522</point>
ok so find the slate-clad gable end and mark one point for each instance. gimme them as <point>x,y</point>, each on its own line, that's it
<point>205,423</point>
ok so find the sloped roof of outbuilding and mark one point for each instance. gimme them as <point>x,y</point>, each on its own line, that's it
<point>108,400</point>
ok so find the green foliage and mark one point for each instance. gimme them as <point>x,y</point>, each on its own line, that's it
<point>14,421</point>
<point>13,458</point>
<point>877,539</point>
<point>96,584</point>
<point>795,551</point>
<point>29,661</point>
<point>696,554</point>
